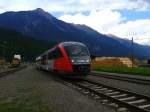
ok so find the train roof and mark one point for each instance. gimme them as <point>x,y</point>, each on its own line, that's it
<point>63,44</point>
<point>71,43</point>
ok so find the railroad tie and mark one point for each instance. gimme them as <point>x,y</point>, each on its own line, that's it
<point>112,93</point>
<point>103,89</point>
<point>116,96</point>
<point>137,101</point>
<point>144,106</point>
<point>128,98</point>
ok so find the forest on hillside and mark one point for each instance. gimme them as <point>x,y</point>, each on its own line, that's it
<point>12,42</point>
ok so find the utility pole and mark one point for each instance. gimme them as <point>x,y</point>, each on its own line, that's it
<point>4,53</point>
<point>3,50</point>
<point>132,51</point>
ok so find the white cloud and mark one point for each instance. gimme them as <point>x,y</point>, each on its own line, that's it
<point>107,21</point>
<point>99,20</point>
<point>138,29</point>
<point>68,6</point>
<point>115,4</point>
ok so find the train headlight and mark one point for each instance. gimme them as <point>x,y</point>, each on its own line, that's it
<point>87,60</point>
<point>72,61</point>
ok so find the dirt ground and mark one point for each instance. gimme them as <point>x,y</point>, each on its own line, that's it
<point>30,90</point>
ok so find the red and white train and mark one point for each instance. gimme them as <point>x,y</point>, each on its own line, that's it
<point>67,58</point>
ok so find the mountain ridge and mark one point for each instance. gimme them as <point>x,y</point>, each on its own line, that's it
<point>41,25</point>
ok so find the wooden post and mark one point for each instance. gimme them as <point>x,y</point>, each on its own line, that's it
<point>132,52</point>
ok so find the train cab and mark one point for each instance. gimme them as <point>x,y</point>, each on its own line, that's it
<point>67,58</point>
<point>79,56</point>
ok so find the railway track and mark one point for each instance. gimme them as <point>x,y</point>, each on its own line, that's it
<point>4,73</point>
<point>121,99</point>
<point>122,78</point>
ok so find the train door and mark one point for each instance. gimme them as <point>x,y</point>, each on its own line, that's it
<point>50,61</point>
<point>44,61</point>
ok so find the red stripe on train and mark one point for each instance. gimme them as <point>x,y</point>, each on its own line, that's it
<point>63,64</point>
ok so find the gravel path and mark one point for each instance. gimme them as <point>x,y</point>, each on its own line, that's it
<point>30,85</point>
<point>138,88</point>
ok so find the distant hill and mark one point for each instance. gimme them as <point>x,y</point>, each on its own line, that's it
<point>16,43</point>
<point>40,25</point>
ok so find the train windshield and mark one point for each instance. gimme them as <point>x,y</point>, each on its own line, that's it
<point>76,50</point>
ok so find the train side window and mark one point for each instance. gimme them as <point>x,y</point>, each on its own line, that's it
<point>43,60</point>
<point>54,54</point>
<point>44,57</point>
<point>58,53</point>
<point>50,56</point>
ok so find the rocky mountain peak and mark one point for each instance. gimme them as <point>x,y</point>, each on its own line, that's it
<point>39,10</point>
<point>43,13</point>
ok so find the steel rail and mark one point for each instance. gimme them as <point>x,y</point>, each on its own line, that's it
<point>122,78</point>
<point>4,73</point>
<point>130,100</point>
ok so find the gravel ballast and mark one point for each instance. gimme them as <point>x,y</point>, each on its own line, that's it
<point>35,89</point>
<point>138,88</point>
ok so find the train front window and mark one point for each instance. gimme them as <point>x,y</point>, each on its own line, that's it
<point>76,51</point>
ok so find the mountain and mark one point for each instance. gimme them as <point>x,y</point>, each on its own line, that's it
<point>139,51</point>
<point>40,25</point>
<point>12,42</point>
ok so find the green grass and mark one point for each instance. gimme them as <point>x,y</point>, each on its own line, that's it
<point>32,104</point>
<point>135,70</point>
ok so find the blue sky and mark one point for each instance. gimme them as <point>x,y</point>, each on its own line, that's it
<point>123,18</point>
<point>135,15</point>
